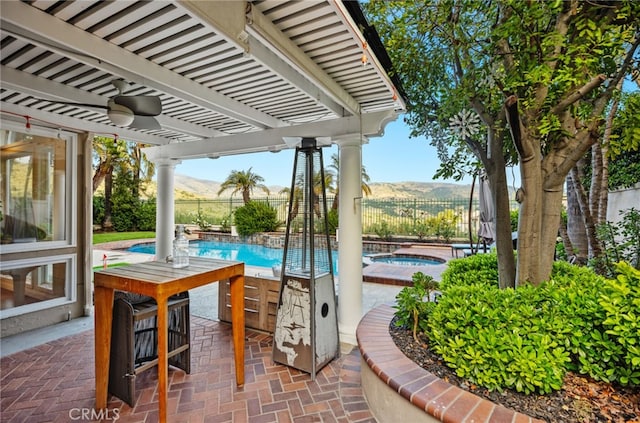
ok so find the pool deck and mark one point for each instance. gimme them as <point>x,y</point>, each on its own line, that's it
<point>391,274</point>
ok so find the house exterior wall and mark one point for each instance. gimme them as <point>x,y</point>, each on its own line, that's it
<point>622,199</point>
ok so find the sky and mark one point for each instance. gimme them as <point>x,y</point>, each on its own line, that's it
<point>393,157</point>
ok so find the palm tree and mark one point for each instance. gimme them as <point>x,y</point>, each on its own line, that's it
<point>107,154</point>
<point>113,156</point>
<point>243,181</point>
<point>297,198</point>
<point>143,170</point>
<point>335,165</point>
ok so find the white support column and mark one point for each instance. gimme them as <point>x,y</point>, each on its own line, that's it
<point>165,222</point>
<point>85,220</point>
<point>350,238</point>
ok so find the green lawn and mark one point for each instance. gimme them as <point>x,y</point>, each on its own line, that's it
<point>120,236</point>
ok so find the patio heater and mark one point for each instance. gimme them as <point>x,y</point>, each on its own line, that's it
<point>306,331</point>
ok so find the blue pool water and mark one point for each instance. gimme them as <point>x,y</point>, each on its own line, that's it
<point>250,254</point>
<point>400,260</point>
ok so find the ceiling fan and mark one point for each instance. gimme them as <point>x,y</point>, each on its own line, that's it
<point>134,111</point>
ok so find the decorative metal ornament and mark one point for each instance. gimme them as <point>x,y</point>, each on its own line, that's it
<point>306,332</point>
<point>465,124</point>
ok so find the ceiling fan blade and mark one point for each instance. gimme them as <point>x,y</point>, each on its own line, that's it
<point>142,105</point>
<point>145,122</point>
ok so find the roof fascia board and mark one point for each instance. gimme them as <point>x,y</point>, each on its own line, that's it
<point>372,124</point>
<point>46,89</point>
<point>54,120</point>
<point>54,34</point>
<point>264,30</point>
<point>357,35</point>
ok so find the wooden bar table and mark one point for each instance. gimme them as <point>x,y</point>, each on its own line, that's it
<point>160,280</point>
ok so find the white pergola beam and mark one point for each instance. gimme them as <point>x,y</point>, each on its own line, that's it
<point>46,89</point>
<point>35,26</point>
<point>263,29</point>
<point>228,18</point>
<point>272,139</point>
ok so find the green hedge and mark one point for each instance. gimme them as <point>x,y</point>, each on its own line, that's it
<point>527,338</point>
<point>472,270</point>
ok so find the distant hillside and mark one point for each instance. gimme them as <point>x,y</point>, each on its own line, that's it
<point>187,187</point>
<point>424,190</point>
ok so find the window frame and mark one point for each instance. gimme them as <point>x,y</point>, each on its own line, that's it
<point>70,283</point>
<point>70,184</point>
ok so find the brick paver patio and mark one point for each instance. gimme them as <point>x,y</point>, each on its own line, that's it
<point>54,382</point>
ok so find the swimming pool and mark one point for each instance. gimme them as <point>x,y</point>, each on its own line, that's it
<point>250,254</point>
<point>402,260</point>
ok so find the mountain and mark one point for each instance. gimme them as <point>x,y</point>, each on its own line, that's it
<point>422,190</point>
<point>187,187</point>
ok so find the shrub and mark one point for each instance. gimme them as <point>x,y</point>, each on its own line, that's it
<point>620,300</point>
<point>443,225</point>
<point>332,223</point>
<point>414,303</point>
<point>621,241</point>
<point>475,269</point>
<point>500,338</point>
<point>225,224</point>
<point>420,229</point>
<point>254,217</point>
<point>146,215</point>
<point>383,230</point>
<point>527,339</point>
<point>514,215</point>
<point>202,221</point>
<point>98,210</point>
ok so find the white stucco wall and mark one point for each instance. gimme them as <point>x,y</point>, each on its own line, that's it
<point>621,200</point>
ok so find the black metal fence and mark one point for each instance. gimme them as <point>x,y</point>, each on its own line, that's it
<point>421,218</point>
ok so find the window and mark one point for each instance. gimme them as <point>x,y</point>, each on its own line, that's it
<point>37,211</point>
<point>28,283</point>
<point>33,189</point>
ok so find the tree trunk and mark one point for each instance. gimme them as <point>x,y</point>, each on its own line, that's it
<point>597,178</point>
<point>550,224</point>
<point>568,245</point>
<point>107,225</point>
<point>593,244</point>
<point>575,224</point>
<point>604,191</point>
<point>529,220</point>
<point>504,242</point>
<point>100,173</point>
<point>336,201</point>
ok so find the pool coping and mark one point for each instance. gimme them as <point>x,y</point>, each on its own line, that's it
<point>437,399</point>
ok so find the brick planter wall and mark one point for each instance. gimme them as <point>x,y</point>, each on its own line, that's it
<point>397,389</point>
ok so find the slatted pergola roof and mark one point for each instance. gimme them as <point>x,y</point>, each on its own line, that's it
<point>233,76</point>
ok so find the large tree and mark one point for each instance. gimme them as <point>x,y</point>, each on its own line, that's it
<point>112,157</point>
<point>616,154</point>
<point>537,75</point>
